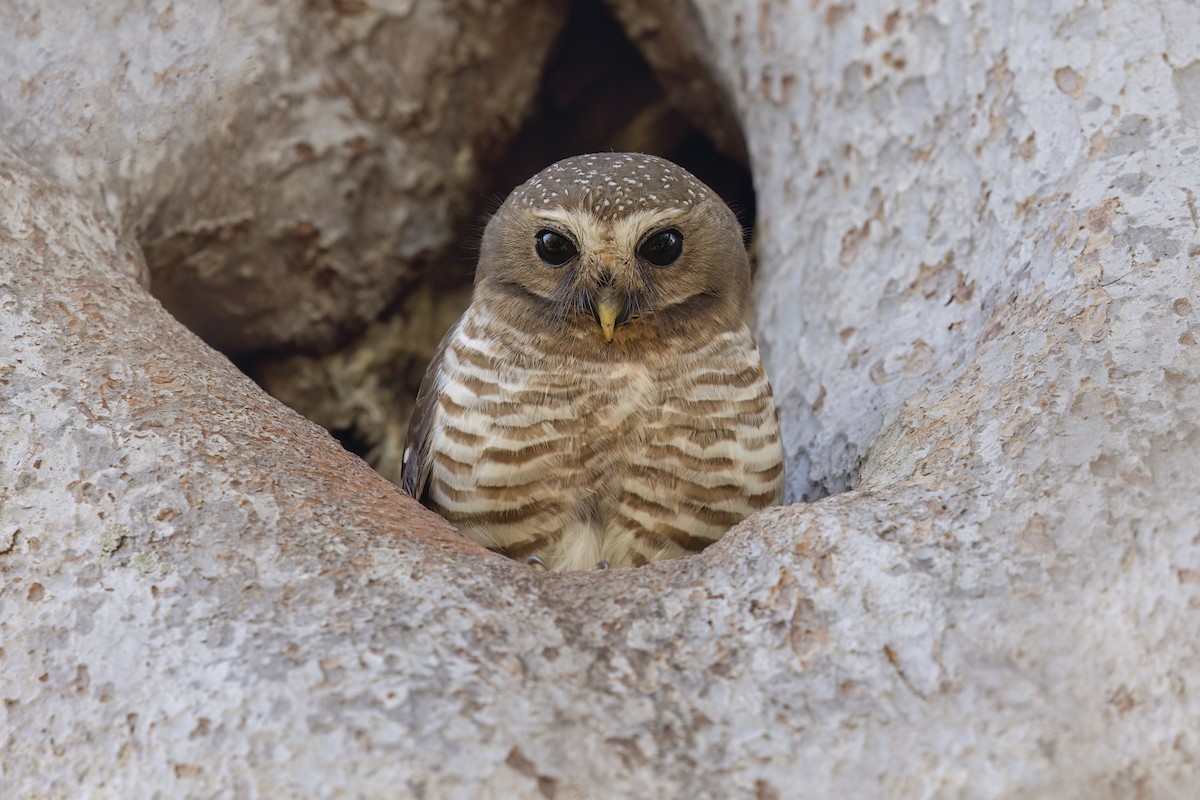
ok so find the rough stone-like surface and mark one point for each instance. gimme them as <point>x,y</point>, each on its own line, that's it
<point>978,295</point>
<point>945,174</point>
<point>287,167</point>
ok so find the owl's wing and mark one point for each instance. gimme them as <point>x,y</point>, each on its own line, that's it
<point>414,478</point>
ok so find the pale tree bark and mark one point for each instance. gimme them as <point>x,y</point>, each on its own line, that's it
<point>287,167</point>
<point>978,242</point>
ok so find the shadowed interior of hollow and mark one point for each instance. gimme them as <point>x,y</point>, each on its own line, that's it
<point>597,94</point>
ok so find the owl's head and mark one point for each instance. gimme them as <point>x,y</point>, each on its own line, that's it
<point>614,250</point>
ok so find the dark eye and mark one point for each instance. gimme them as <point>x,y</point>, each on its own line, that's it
<point>663,248</point>
<point>554,248</point>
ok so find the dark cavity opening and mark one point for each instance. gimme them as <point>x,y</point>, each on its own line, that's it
<point>597,94</point>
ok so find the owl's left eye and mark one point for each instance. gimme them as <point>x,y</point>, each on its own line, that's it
<point>662,248</point>
<point>554,248</point>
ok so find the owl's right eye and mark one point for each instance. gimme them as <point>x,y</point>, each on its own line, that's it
<point>554,248</point>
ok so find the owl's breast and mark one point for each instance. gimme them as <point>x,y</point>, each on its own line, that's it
<point>627,461</point>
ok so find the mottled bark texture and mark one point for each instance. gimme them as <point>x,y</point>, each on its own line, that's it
<point>286,167</point>
<point>978,302</point>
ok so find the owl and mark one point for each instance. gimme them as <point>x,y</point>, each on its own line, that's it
<point>602,401</point>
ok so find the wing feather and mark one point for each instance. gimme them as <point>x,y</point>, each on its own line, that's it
<point>418,461</point>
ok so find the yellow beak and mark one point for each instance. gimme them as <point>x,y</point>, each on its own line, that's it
<point>608,308</point>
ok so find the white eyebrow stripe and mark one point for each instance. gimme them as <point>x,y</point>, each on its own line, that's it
<point>568,218</point>
<point>594,233</point>
<point>628,230</point>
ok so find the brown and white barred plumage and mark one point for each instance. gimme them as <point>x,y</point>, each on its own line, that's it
<point>540,431</point>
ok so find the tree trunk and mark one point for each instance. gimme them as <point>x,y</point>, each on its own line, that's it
<point>978,238</point>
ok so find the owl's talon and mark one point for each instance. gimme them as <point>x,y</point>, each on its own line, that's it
<point>535,562</point>
<point>601,564</point>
